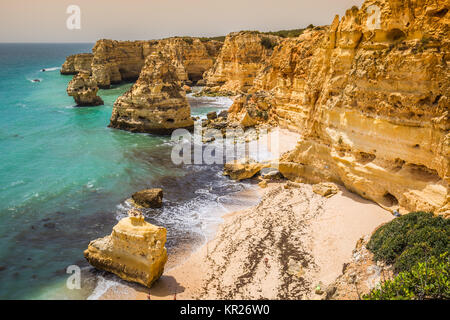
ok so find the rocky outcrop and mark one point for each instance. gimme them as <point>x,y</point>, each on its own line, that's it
<point>117,61</point>
<point>156,103</point>
<point>84,90</point>
<point>112,62</point>
<point>359,276</point>
<point>239,62</point>
<point>191,56</point>
<point>372,105</point>
<point>149,198</point>
<point>134,251</point>
<point>243,169</point>
<point>77,63</point>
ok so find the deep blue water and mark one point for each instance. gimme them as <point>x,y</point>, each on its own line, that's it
<point>65,176</point>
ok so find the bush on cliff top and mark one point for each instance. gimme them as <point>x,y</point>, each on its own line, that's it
<point>425,280</point>
<point>410,239</point>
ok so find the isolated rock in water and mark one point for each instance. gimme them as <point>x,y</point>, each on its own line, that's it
<point>211,115</point>
<point>84,90</point>
<point>134,251</point>
<point>156,103</point>
<point>150,198</point>
<point>77,63</point>
<point>325,189</point>
<point>243,169</point>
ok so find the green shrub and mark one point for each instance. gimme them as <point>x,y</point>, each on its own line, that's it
<point>425,280</point>
<point>410,239</point>
<point>267,43</point>
<point>294,33</point>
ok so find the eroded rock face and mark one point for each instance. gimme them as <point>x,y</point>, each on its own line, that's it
<point>149,198</point>
<point>77,63</point>
<point>84,90</point>
<point>239,62</point>
<point>243,169</point>
<point>117,61</point>
<point>372,105</point>
<point>134,251</point>
<point>156,103</point>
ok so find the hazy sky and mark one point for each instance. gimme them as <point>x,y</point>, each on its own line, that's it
<point>45,20</point>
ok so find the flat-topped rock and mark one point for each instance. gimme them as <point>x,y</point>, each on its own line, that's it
<point>134,251</point>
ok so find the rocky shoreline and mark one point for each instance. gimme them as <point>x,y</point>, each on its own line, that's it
<point>371,107</point>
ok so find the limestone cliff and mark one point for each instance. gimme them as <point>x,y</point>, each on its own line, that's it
<point>240,60</point>
<point>112,62</point>
<point>156,103</point>
<point>372,105</point>
<point>84,90</point>
<point>77,63</point>
<point>134,251</point>
<point>117,61</point>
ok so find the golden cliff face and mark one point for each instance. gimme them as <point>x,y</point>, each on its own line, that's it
<point>134,251</point>
<point>117,61</point>
<point>156,103</point>
<point>84,90</point>
<point>191,56</point>
<point>372,105</point>
<point>112,62</point>
<point>77,63</point>
<point>239,62</point>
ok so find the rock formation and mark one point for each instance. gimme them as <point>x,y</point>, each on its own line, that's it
<point>77,63</point>
<point>84,90</point>
<point>372,105</point>
<point>243,169</point>
<point>156,103</point>
<point>240,60</point>
<point>150,198</point>
<point>112,62</point>
<point>134,251</point>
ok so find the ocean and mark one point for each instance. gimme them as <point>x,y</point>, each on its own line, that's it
<point>65,177</point>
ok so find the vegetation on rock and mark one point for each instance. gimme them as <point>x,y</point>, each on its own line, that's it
<point>425,280</point>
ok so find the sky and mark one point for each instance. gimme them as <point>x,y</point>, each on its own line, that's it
<point>46,20</point>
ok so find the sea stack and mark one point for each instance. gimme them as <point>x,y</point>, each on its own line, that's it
<point>84,90</point>
<point>134,251</point>
<point>156,103</point>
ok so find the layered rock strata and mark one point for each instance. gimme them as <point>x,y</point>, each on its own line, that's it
<point>239,62</point>
<point>112,62</point>
<point>134,251</point>
<point>84,90</point>
<point>156,103</point>
<point>371,103</point>
<point>77,63</point>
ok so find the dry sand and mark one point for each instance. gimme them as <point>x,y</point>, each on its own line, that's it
<point>280,249</point>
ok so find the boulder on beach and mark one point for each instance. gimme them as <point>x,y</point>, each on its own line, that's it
<point>243,169</point>
<point>149,198</point>
<point>325,189</point>
<point>134,251</point>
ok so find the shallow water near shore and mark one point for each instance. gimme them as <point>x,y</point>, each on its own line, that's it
<point>65,176</point>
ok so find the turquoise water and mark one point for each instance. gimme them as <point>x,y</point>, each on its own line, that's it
<point>65,176</point>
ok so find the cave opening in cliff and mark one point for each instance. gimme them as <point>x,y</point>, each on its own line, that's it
<point>389,200</point>
<point>395,35</point>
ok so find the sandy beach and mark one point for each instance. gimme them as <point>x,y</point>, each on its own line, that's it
<point>282,248</point>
